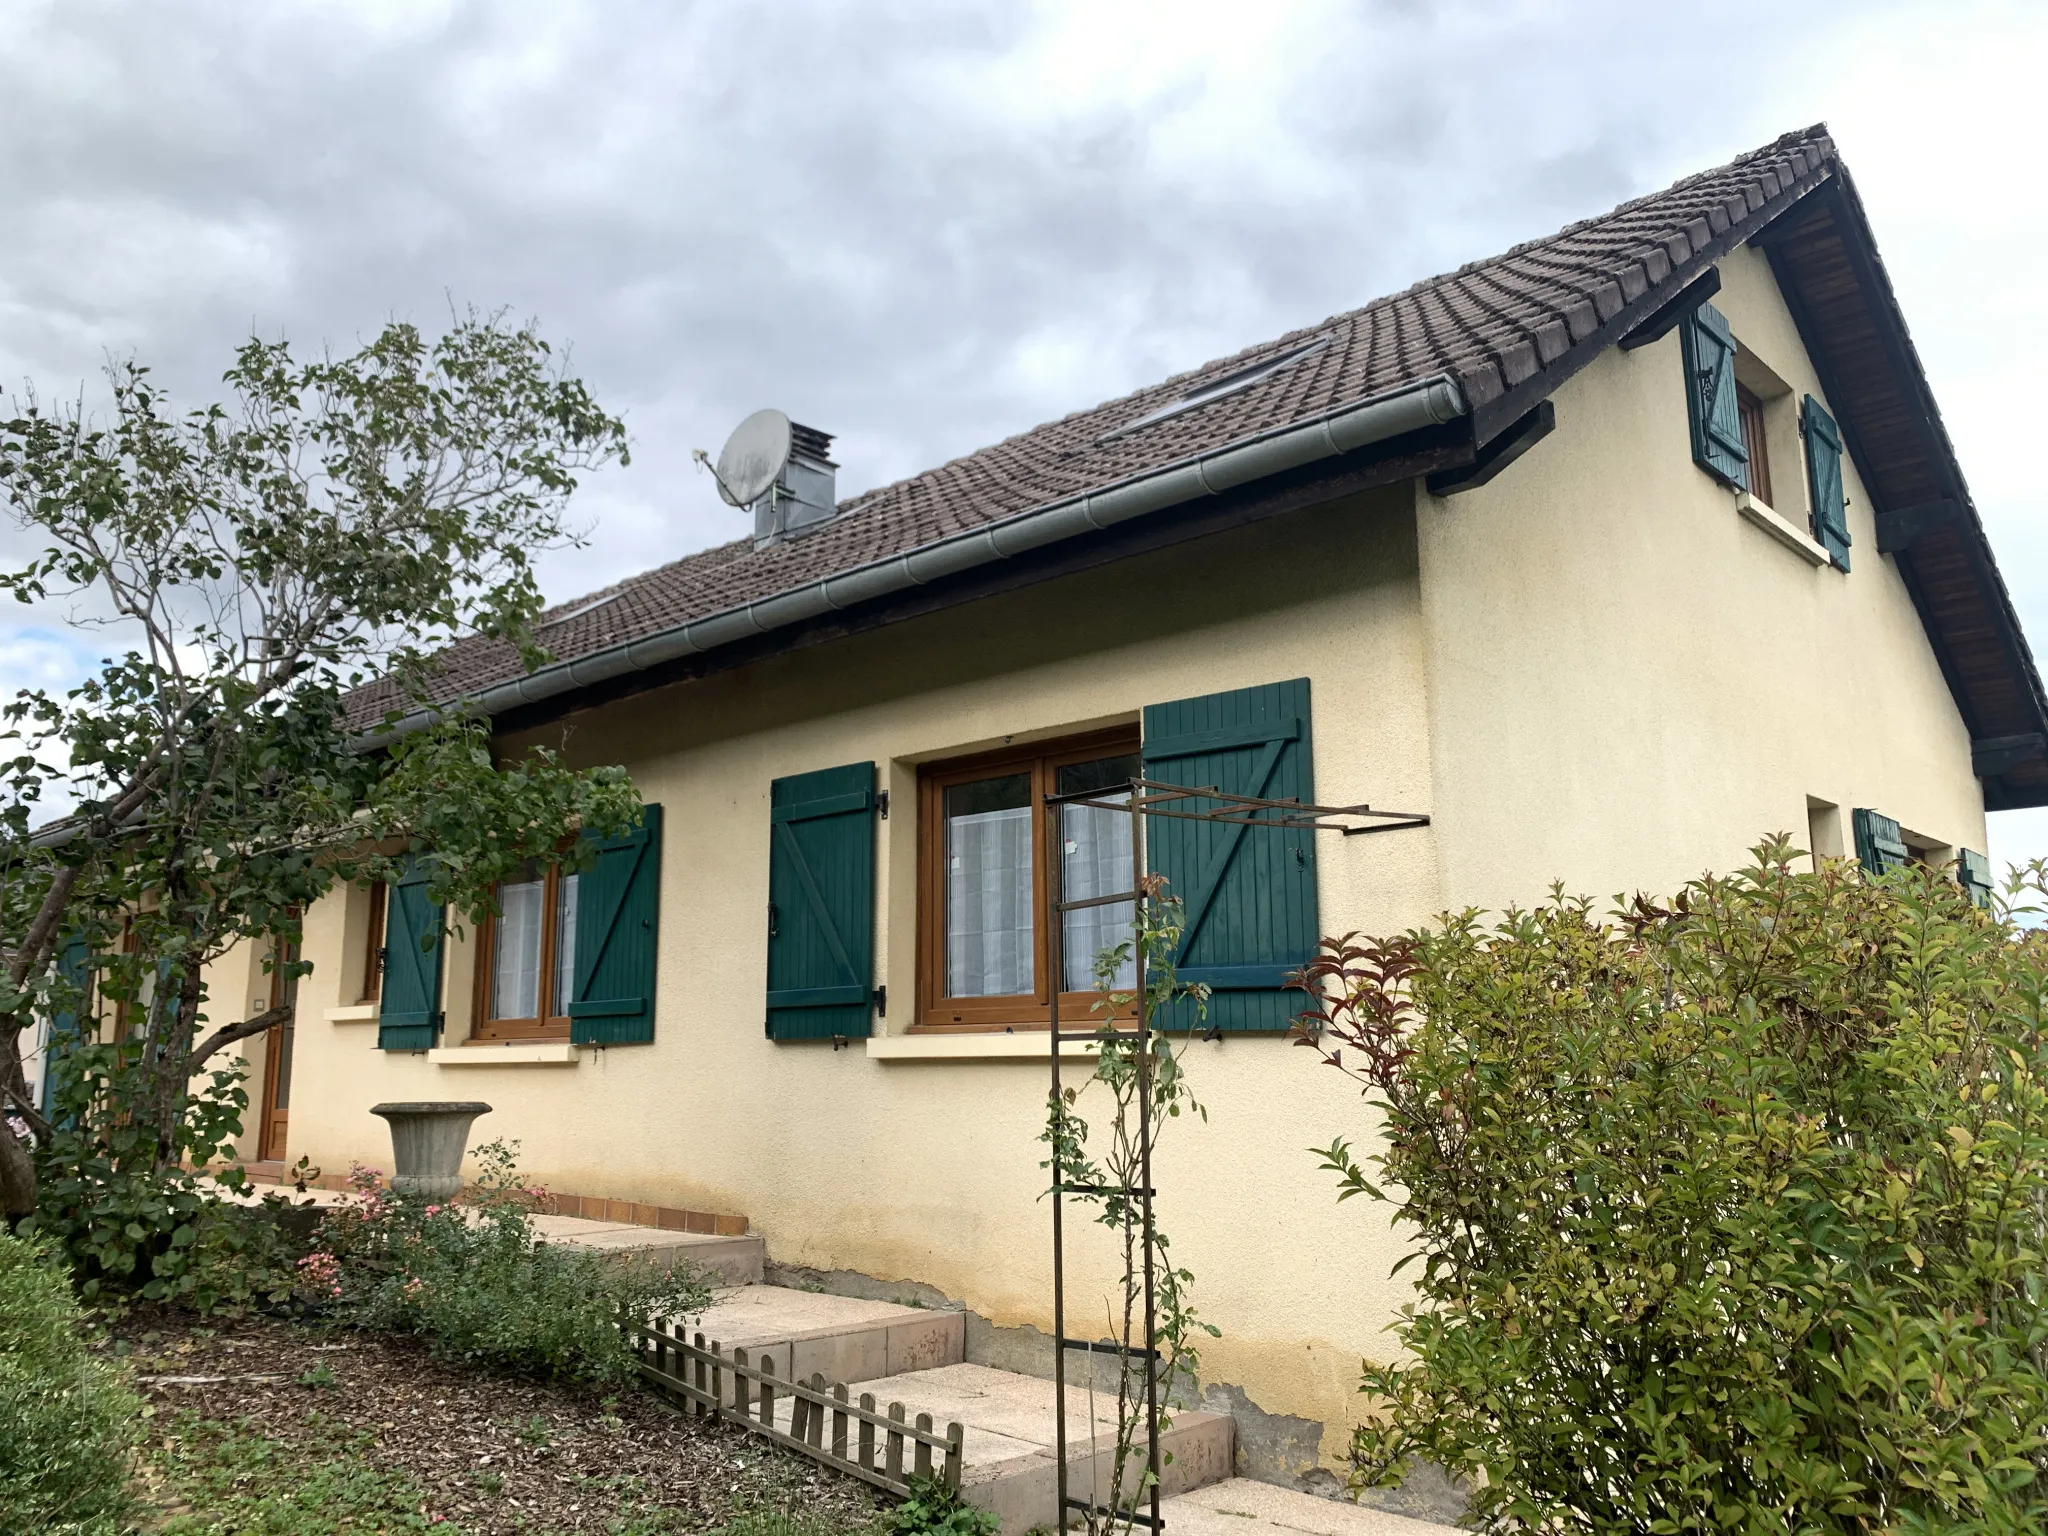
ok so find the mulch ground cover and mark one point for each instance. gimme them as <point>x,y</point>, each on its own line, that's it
<point>487,1453</point>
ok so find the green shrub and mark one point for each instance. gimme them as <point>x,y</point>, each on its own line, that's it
<point>933,1509</point>
<point>66,1421</point>
<point>475,1280</point>
<point>1730,1214</point>
<point>133,1227</point>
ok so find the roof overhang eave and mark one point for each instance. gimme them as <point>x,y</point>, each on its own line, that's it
<point>1429,402</point>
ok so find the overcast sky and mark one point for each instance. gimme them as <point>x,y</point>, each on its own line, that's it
<point>924,227</point>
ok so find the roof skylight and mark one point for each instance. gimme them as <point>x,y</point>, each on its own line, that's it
<point>1217,389</point>
<point>581,609</point>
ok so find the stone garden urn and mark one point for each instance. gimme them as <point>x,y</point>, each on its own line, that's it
<point>427,1143</point>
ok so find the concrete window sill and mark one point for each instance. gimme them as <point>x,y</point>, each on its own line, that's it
<point>1020,1046</point>
<point>1782,529</point>
<point>537,1053</point>
<point>354,1013</point>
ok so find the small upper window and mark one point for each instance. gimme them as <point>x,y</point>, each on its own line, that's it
<point>1755,444</point>
<point>579,610</point>
<point>1216,389</point>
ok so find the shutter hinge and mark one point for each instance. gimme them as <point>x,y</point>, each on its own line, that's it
<point>774,921</point>
<point>882,1000</point>
<point>882,804</point>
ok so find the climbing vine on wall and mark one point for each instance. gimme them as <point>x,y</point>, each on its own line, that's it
<point>1139,1080</point>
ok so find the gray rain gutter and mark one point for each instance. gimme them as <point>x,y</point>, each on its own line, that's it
<point>1427,403</point>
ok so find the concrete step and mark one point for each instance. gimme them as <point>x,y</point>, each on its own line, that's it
<point>843,1338</point>
<point>1010,1464</point>
<point>734,1261</point>
<point>914,1356</point>
<point>1241,1507</point>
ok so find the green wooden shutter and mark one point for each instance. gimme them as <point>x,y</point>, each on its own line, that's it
<point>611,999</point>
<point>1250,892</point>
<point>1708,347</point>
<point>1824,479</point>
<point>1878,843</point>
<point>821,904</point>
<point>1973,870</point>
<point>409,1007</point>
<point>66,1031</point>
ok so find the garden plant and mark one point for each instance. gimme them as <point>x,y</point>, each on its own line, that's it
<point>1726,1214</point>
<point>475,1280</point>
<point>68,1424</point>
<point>254,566</point>
<point>1139,1073</point>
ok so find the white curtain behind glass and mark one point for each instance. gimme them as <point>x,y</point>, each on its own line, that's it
<point>565,943</point>
<point>515,978</point>
<point>988,903</point>
<point>1095,860</point>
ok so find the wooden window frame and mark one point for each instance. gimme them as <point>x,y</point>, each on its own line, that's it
<point>1749,408</point>
<point>936,1013</point>
<point>373,948</point>
<point>482,1025</point>
<point>122,1005</point>
<point>271,1139</point>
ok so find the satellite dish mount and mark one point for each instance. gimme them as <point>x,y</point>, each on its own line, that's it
<point>753,458</point>
<point>779,469</point>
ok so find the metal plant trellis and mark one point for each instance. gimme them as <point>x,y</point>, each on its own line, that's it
<point>1139,799</point>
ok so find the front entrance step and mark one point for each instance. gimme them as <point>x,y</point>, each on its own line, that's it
<point>842,1338</point>
<point>1241,1507</point>
<point>1010,1466</point>
<point>731,1260</point>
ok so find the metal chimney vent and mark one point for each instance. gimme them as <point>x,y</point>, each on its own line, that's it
<point>805,492</point>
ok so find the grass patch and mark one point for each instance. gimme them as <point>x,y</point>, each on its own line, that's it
<point>230,1480</point>
<point>270,1428</point>
<point>216,1479</point>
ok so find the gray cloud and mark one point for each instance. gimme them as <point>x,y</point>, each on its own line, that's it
<point>872,216</point>
<point>921,227</point>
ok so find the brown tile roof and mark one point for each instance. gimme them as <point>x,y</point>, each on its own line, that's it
<point>1508,329</point>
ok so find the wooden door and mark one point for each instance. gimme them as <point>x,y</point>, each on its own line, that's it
<point>275,1106</point>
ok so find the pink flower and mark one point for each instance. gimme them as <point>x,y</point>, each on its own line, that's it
<point>321,1273</point>
<point>434,1210</point>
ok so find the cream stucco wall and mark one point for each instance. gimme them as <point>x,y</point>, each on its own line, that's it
<point>927,1170</point>
<point>1632,683</point>
<point>1591,669</point>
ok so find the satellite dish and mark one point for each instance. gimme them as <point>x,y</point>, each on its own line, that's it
<point>753,457</point>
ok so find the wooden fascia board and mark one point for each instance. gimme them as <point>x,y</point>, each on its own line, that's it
<point>1859,246</point>
<point>1505,409</point>
<point>1664,321</point>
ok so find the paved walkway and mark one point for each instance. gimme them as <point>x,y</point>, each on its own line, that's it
<point>1241,1507</point>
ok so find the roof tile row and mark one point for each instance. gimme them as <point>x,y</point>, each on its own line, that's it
<point>1492,325</point>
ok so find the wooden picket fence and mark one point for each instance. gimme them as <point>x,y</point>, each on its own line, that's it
<point>710,1382</point>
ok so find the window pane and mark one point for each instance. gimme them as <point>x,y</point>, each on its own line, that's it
<point>1098,773</point>
<point>515,973</point>
<point>565,944</point>
<point>988,887</point>
<point>1095,859</point>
